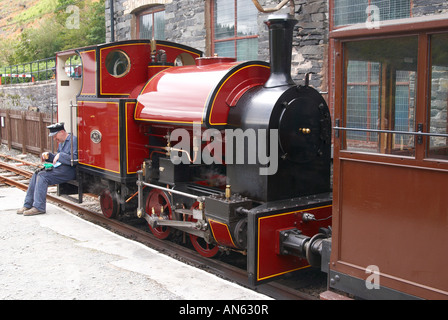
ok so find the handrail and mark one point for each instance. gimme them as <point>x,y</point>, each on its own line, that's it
<point>413,133</point>
<point>46,69</point>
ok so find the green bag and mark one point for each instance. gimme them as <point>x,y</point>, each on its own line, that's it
<point>48,166</point>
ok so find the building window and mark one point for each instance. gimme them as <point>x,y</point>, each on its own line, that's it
<point>347,12</point>
<point>151,24</point>
<point>235,29</point>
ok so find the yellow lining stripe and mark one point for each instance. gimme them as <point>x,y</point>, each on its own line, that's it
<point>230,236</point>
<point>127,137</point>
<point>217,93</point>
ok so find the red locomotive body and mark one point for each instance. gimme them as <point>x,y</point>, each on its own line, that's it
<point>111,143</point>
<point>114,146</point>
<point>204,93</point>
<point>134,97</point>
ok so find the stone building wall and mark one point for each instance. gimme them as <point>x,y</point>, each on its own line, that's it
<point>310,46</point>
<point>186,23</point>
<point>429,7</point>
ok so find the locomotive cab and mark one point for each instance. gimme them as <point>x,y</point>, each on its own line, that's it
<point>101,105</point>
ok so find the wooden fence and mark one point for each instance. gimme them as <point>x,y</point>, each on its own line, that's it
<point>26,131</point>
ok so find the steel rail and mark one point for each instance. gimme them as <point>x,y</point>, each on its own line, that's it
<point>16,170</point>
<point>232,273</point>
<point>23,162</point>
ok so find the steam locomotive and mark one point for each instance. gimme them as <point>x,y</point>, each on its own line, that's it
<point>234,154</point>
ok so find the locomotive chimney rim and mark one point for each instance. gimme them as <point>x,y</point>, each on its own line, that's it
<point>280,48</point>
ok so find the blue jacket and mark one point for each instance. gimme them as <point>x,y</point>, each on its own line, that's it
<point>65,171</point>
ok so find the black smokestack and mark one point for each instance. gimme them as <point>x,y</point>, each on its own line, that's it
<point>280,47</point>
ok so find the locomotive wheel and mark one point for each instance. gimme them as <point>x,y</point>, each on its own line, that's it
<point>109,204</point>
<point>205,249</point>
<point>158,200</point>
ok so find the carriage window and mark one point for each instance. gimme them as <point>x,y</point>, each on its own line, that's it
<point>117,63</point>
<point>379,95</point>
<point>438,121</point>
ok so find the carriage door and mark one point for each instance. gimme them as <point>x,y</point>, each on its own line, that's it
<point>391,162</point>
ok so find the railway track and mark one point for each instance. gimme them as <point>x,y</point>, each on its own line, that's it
<point>14,175</point>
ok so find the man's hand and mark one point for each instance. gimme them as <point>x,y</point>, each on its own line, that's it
<point>56,158</point>
<point>44,156</point>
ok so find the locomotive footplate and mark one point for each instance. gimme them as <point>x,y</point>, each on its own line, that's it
<point>267,246</point>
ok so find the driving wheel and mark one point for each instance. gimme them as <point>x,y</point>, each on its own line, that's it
<point>157,202</point>
<point>205,249</point>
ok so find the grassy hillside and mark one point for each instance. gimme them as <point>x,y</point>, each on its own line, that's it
<point>35,29</point>
<point>18,15</point>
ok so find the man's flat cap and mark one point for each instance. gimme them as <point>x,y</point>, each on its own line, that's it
<point>55,128</point>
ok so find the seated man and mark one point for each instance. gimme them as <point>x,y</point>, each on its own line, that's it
<point>62,171</point>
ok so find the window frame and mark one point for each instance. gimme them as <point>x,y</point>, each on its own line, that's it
<point>150,11</point>
<point>332,10</point>
<point>235,37</point>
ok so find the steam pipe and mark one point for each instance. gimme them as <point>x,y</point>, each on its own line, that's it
<point>277,7</point>
<point>112,21</point>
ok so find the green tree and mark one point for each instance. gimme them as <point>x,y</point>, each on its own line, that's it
<point>97,24</point>
<point>7,49</point>
<point>38,43</point>
<point>82,22</point>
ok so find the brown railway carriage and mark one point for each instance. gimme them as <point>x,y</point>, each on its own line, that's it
<point>390,196</point>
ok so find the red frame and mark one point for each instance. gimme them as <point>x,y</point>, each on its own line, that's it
<point>266,260</point>
<point>139,55</point>
<point>89,82</point>
<point>221,233</point>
